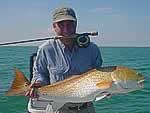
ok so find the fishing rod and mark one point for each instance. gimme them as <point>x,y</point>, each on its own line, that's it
<point>82,40</point>
<point>26,41</point>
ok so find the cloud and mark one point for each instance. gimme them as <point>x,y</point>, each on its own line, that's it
<point>102,10</point>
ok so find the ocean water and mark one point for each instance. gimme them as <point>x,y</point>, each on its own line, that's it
<point>135,58</point>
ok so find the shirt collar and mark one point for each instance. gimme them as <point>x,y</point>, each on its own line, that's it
<point>75,48</point>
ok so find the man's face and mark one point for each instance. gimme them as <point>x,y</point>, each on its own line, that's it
<point>65,28</point>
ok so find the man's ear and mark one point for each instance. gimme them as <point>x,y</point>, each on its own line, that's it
<point>54,26</point>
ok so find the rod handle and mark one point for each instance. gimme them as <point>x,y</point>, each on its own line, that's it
<point>93,33</point>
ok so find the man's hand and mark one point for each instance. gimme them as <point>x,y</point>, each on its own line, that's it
<point>32,93</point>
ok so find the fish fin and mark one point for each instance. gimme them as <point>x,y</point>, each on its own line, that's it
<point>104,84</point>
<point>100,98</point>
<point>53,107</point>
<point>19,84</point>
<point>103,95</point>
<point>49,109</point>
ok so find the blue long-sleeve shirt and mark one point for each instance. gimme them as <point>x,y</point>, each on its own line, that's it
<point>55,62</point>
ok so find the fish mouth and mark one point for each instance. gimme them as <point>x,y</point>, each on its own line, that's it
<point>131,85</point>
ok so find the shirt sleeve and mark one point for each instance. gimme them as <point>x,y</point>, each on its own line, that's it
<point>97,58</point>
<point>40,72</point>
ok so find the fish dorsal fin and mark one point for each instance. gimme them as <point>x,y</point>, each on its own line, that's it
<point>104,84</point>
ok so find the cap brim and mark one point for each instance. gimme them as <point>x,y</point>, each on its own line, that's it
<point>64,17</point>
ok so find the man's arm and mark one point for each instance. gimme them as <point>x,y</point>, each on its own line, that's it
<point>39,74</point>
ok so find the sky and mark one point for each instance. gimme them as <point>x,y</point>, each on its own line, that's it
<point>119,22</point>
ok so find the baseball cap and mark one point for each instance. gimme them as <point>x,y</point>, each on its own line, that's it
<point>64,13</point>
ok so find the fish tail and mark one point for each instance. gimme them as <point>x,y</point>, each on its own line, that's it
<point>19,85</point>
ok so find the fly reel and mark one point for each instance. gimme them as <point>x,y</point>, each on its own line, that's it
<point>83,40</point>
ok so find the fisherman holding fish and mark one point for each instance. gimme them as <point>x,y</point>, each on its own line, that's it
<point>59,59</point>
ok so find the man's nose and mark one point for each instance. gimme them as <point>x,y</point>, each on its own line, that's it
<point>66,29</point>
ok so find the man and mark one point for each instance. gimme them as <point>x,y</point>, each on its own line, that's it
<point>58,59</point>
